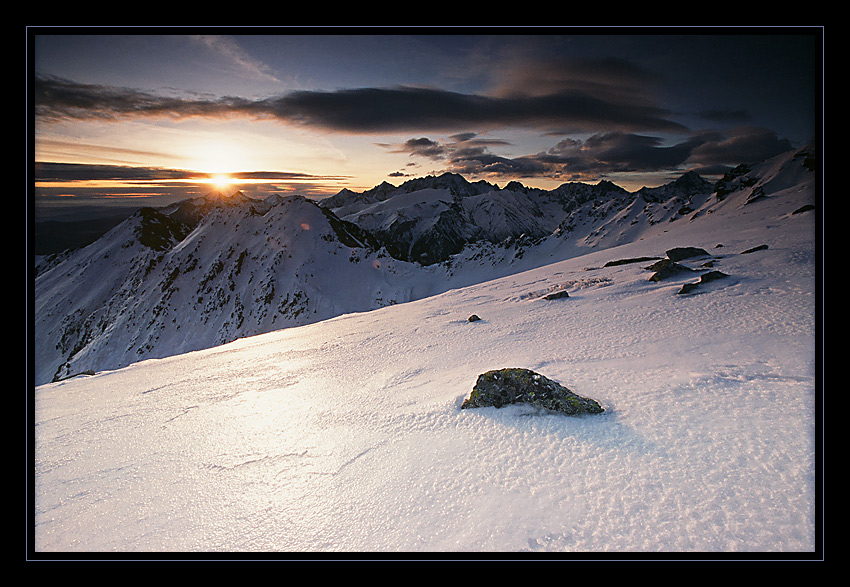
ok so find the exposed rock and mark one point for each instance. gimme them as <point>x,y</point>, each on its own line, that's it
<point>755,195</point>
<point>805,208</point>
<point>712,276</point>
<point>557,295</point>
<point>158,231</point>
<point>754,249</point>
<point>734,180</point>
<point>679,253</point>
<point>473,318</point>
<point>665,269</point>
<point>501,387</point>
<point>705,278</point>
<point>88,372</point>
<point>628,261</point>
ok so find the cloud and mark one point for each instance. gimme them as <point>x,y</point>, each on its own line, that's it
<point>624,152</point>
<point>610,79</point>
<point>60,99</point>
<point>424,147</point>
<point>603,154</point>
<point>63,172</point>
<point>363,110</point>
<point>235,58</point>
<point>67,172</point>
<point>725,116</point>
<point>408,108</point>
<point>745,144</point>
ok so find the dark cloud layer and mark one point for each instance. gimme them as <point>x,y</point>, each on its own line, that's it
<point>710,152</point>
<point>362,110</point>
<point>67,172</point>
<point>62,172</point>
<point>58,99</point>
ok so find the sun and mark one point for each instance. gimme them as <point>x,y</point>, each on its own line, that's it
<point>221,181</point>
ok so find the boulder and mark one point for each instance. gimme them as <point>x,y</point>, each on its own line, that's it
<point>666,268</point>
<point>679,253</point>
<point>557,295</point>
<point>473,318</point>
<point>501,387</point>
<point>704,278</point>
<point>711,276</point>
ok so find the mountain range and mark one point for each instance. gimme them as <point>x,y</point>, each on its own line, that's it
<point>212,269</point>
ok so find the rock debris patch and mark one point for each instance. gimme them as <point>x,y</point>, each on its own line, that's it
<point>671,267</point>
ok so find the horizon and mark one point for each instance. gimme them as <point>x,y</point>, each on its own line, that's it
<point>129,119</point>
<point>77,212</point>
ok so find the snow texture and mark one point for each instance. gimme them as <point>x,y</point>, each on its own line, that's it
<point>346,435</point>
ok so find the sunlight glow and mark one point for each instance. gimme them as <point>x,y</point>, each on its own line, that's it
<point>221,181</point>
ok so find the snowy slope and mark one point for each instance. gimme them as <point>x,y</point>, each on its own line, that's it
<point>245,267</point>
<point>346,435</point>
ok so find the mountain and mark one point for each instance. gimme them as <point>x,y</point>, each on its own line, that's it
<point>202,273</point>
<point>347,436</point>
<point>209,270</point>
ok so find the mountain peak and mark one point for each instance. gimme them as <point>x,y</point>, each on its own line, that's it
<point>381,190</point>
<point>609,186</point>
<point>515,186</point>
<point>691,179</point>
<point>454,182</point>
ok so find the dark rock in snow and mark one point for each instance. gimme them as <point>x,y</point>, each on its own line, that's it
<point>557,295</point>
<point>628,261</point>
<point>679,253</point>
<point>665,269</point>
<point>473,318</point>
<point>712,276</point>
<point>754,249</point>
<point>501,387</point>
<point>705,278</point>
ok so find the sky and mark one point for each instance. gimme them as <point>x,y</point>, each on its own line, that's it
<point>145,117</point>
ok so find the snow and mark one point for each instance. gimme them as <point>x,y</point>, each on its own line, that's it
<point>346,435</point>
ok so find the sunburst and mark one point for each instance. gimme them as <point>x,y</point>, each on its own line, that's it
<point>221,181</point>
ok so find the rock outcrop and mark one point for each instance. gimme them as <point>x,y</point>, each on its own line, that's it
<point>704,278</point>
<point>502,387</point>
<point>666,268</point>
<point>679,253</point>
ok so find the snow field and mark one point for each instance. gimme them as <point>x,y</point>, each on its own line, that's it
<point>347,435</point>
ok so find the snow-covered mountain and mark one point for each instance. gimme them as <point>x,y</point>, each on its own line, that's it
<point>201,273</point>
<point>347,436</point>
<point>209,270</point>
